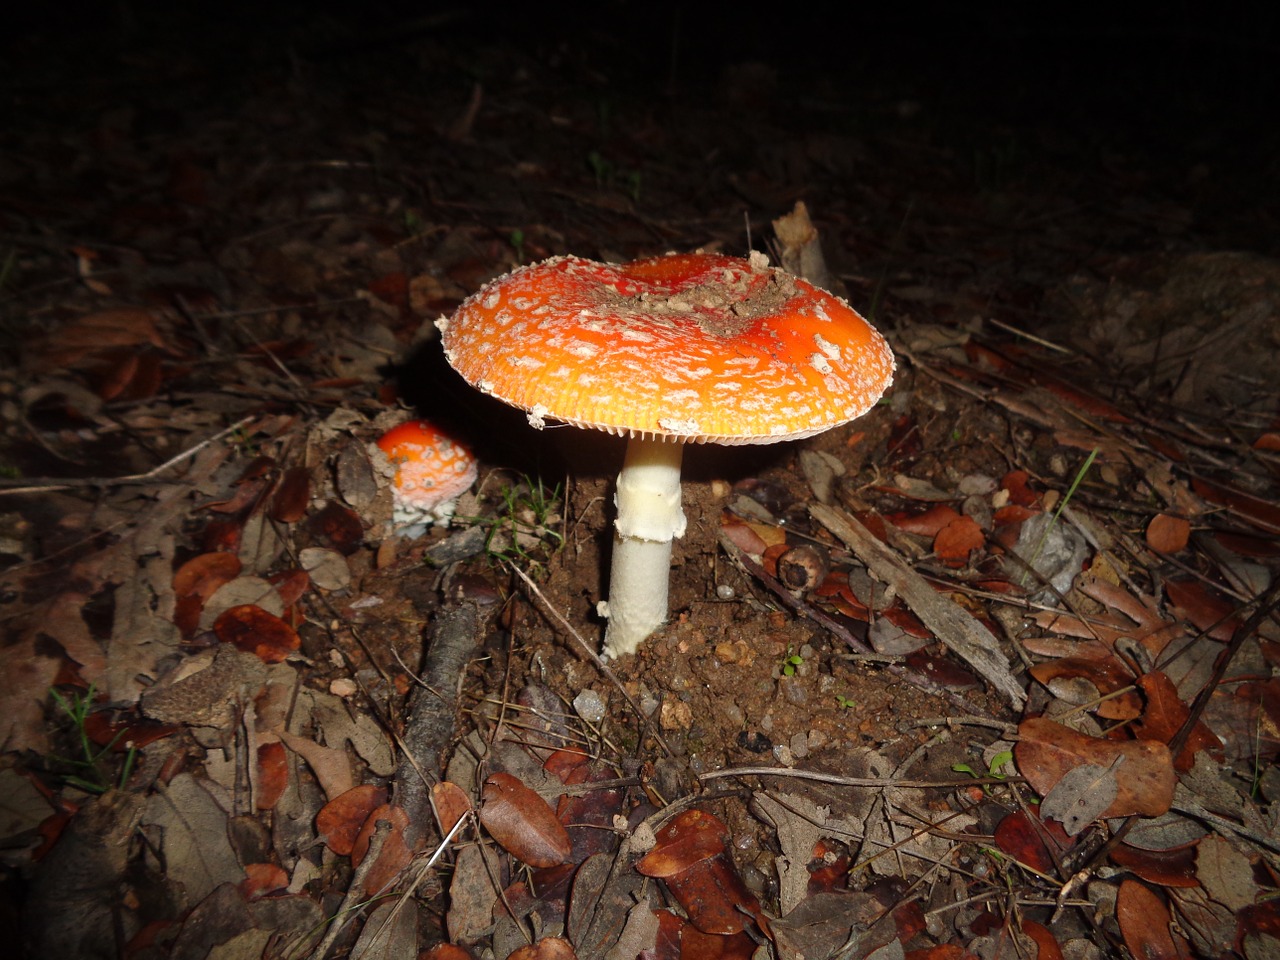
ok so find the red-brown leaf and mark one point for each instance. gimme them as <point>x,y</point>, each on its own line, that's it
<point>1047,946</point>
<point>292,494</point>
<point>273,775</point>
<point>957,540</point>
<point>1164,717</point>
<point>927,524</point>
<point>254,630</point>
<point>523,823</point>
<point>395,855</point>
<point>1144,923</point>
<point>451,804</point>
<point>339,821</point>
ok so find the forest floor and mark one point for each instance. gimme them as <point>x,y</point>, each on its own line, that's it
<point>991,671</point>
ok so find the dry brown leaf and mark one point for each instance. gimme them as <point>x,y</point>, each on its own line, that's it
<point>1144,922</point>
<point>523,823</point>
<point>340,820</point>
<point>1144,781</point>
<point>451,804</point>
<point>395,854</point>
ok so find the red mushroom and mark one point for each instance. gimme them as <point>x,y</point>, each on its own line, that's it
<point>685,348</point>
<point>432,471</point>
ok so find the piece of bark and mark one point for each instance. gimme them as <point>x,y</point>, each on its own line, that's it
<point>949,622</point>
<point>433,708</point>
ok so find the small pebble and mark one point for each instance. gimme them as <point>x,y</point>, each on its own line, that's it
<point>589,706</point>
<point>793,689</point>
<point>799,745</point>
<point>724,591</point>
<point>782,753</point>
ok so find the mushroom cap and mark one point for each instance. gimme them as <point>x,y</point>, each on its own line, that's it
<point>432,467</point>
<point>690,347</point>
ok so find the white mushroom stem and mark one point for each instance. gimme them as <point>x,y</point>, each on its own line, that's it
<point>649,518</point>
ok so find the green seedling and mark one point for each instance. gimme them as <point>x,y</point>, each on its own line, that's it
<point>601,167</point>
<point>414,225</point>
<point>522,530</point>
<point>790,662</point>
<point>77,708</point>
<point>517,244</point>
<point>843,702</point>
<point>993,769</point>
<point>608,176</point>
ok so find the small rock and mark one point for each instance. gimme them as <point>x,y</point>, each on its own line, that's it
<point>793,690</point>
<point>675,715</point>
<point>589,706</point>
<point>799,745</point>
<point>782,753</point>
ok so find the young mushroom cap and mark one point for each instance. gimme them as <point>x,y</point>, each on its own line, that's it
<point>684,348</point>
<point>432,471</point>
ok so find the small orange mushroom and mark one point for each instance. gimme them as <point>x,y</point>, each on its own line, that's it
<point>433,469</point>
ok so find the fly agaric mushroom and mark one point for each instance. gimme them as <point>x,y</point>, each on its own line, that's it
<point>432,471</point>
<point>684,348</point>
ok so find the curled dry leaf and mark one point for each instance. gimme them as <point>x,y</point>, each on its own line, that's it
<point>523,823</point>
<point>340,820</point>
<point>690,859</point>
<point>196,581</point>
<point>1144,781</point>
<point>251,629</point>
<point>927,524</point>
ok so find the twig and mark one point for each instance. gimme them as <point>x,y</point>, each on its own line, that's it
<point>950,623</point>
<point>346,910</point>
<point>844,781</point>
<point>45,486</point>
